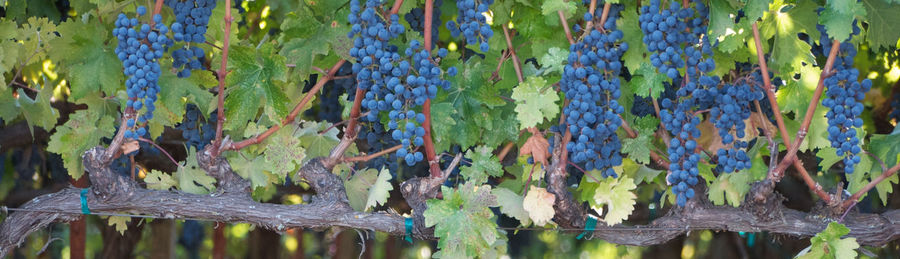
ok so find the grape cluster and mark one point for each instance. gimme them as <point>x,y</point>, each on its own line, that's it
<point>676,37</point>
<point>416,20</point>
<point>140,49</point>
<point>330,107</point>
<point>378,139</point>
<point>733,102</point>
<point>197,131</point>
<point>191,21</point>
<point>471,23</point>
<point>843,99</point>
<point>591,83</point>
<point>393,84</point>
<point>643,106</point>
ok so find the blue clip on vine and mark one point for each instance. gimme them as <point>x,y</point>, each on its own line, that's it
<point>589,226</point>
<point>84,207</point>
<point>409,227</point>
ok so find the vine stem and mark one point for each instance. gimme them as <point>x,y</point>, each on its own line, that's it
<point>512,53</point>
<point>162,150</point>
<point>565,25</point>
<point>804,127</point>
<point>371,156</point>
<point>855,197</point>
<point>590,23</point>
<point>296,111</point>
<point>779,120</point>
<point>426,109</point>
<point>220,113</point>
<point>157,7</point>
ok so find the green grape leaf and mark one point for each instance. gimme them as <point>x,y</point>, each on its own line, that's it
<point>251,84</point>
<point>484,164</point>
<point>618,196</point>
<point>253,168</point>
<point>120,222</point>
<point>157,180</point>
<point>463,221</point>
<point>554,60</point>
<point>839,17</point>
<point>90,63</point>
<point>317,145</point>
<point>217,25</point>
<point>38,111</point>
<point>550,7</point>
<point>885,147</point>
<point>84,130</point>
<point>641,173</point>
<point>192,178</point>
<point>754,9</point>
<point>631,28</point>
<point>539,205</point>
<point>511,204</point>
<point>381,190</point>
<point>174,91</point>
<point>730,188</point>
<point>829,244</point>
<point>358,186</point>
<point>303,49</point>
<point>789,51</point>
<point>284,152</point>
<point>535,101</point>
<point>647,82</point>
<point>882,17</point>
<point>720,13</point>
<point>36,36</point>
<point>638,148</point>
<point>9,49</point>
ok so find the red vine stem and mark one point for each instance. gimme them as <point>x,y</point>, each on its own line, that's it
<point>426,109</point>
<point>396,8</point>
<point>220,113</point>
<point>565,25</point>
<point>590,23</point>
<point>371,156</point>
<point>778,173</point>
<point>157,7</point>
<point>855,197</point>
<point>512,52</point>
<point>296,111</point>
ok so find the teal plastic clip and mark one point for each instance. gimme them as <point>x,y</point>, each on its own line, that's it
<point>409,227</point>
<point>84,207</point>
<point>589,226</point>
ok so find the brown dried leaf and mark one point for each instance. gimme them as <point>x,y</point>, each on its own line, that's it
<point>537,146</point>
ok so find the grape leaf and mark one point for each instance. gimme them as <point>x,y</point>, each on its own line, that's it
<point>38,111</point>
<point>463,221</point>
<point>631,28</point>
<point>284,152</point>
<point>554,60</point>
<point>550,7</point>
<point>191,178</point>
<point>754,9</point>
<point>617,195</point>
<point>882,18</point>
<point>9,49</point>
<point>120,222</point>
<point>251,84</point>
<point>720,13</point>
<point>253,168</point>
<point>885,147</point>
<point>641,173</point>
<point>788,50</point>
<point>829,244</point>
<point>511,204</point>
<point>535,101</point>
<point>83,130</point>
<point>839,17</point>
<point>157,180</point>
<point>730,188</point>
<point>536,146</point>
<point>380,190</point>
<point>357,188</point>
<point>91,64</point>
<point>647,82</point>
<point>539,205</point>
<point>638,148</point>
<point>484,164</point>
<point>315,144</point>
